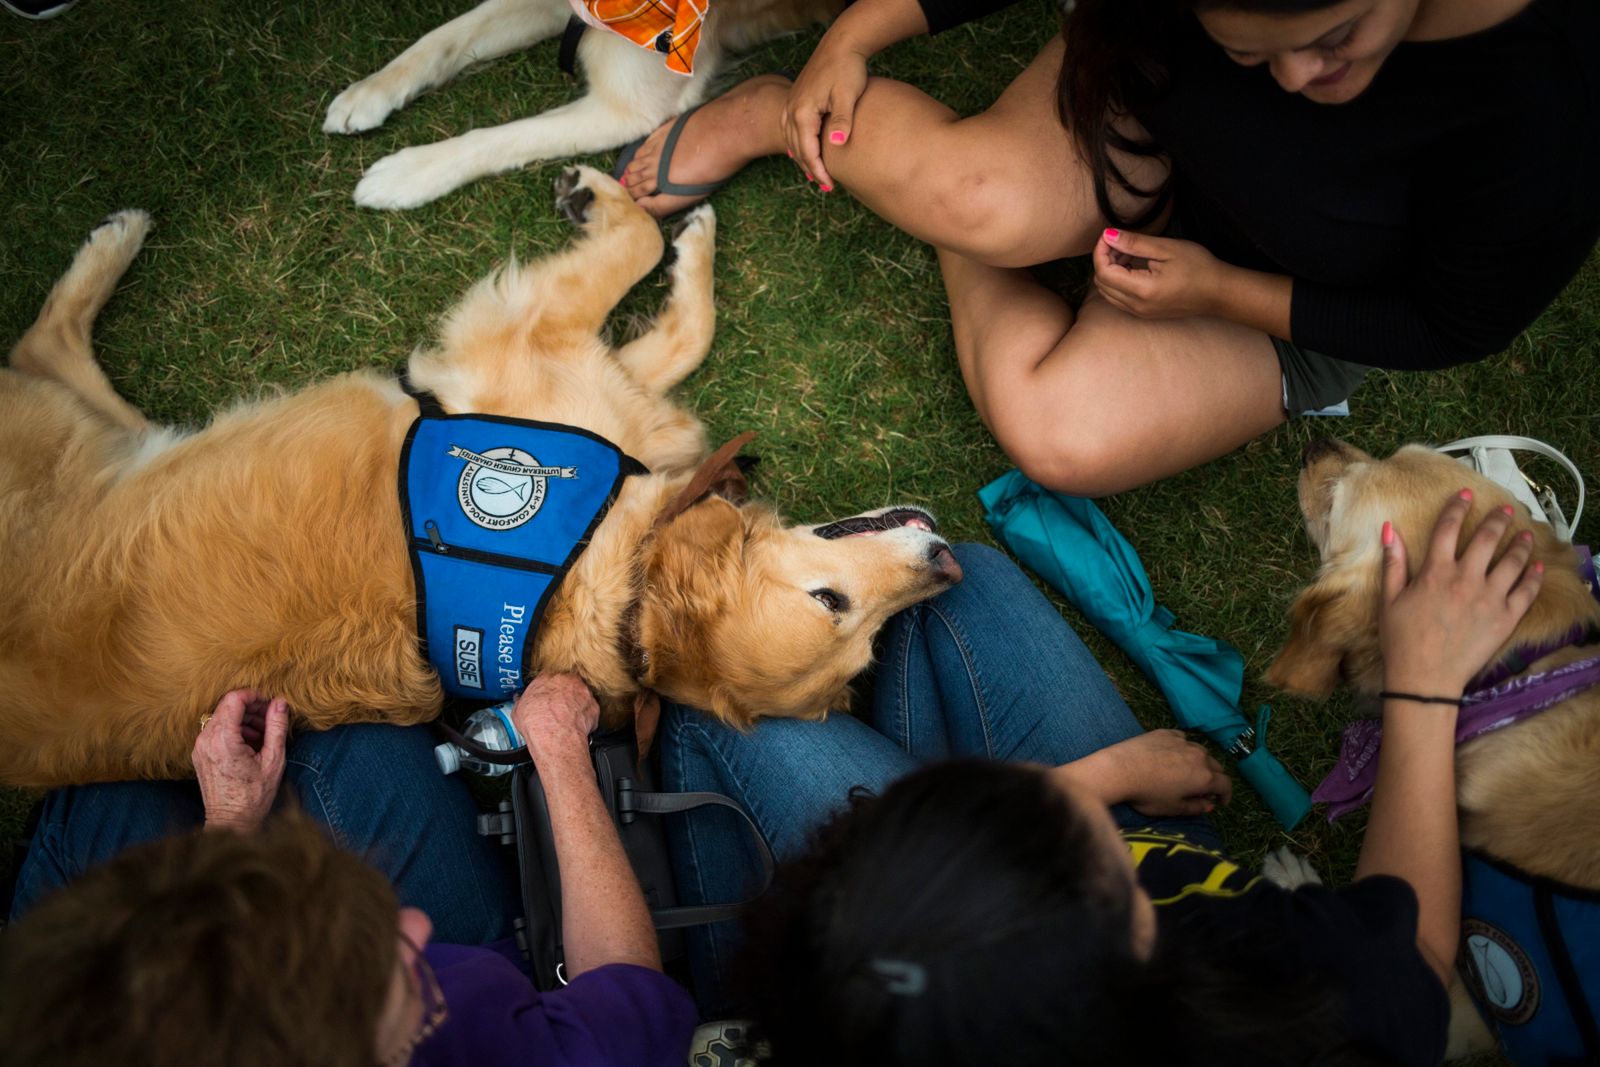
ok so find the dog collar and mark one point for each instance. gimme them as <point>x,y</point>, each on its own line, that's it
<point>1348,785</point>
<point>1522,657</point>
<point>724,468</point>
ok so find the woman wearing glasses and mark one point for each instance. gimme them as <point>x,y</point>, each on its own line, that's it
<point>268,944</point>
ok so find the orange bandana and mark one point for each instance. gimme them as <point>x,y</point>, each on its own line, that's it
<point>671,27</point>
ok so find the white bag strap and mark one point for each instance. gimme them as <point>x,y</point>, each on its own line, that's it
<point>1530,444</point>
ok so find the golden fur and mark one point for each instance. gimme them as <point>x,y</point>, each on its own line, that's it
<point>1524,792</point>
<point>147,572</point>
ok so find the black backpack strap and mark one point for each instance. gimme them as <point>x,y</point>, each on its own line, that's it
<point>539,868</point>
<point>431,408</point>
<point>695,914</point>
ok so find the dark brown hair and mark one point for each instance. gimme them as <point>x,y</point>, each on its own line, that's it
<point>272,948</point>
<point>1115,58</point>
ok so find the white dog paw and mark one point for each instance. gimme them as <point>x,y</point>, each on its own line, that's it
<point>410,177</point>
<point>124,227</point>
<point>363,106</point>
<point>1288,869</point>
<point>700,221</point>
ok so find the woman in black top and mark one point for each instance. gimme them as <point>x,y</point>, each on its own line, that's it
<point>1392,183</point>
<point>988,911</point>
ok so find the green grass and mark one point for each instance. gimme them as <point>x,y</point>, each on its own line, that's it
<point>833,339</point>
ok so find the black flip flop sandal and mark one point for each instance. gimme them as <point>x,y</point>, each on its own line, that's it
<point>664,183</point>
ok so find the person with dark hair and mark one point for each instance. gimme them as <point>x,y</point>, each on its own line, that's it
<point>142,939</point>
<point>1277,194</point>
<point>1056,894</point>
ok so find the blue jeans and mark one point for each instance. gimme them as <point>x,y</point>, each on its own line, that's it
<point>988,669</point>
<point>375,788</point>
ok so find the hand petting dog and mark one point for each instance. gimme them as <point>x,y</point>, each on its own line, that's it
<point>1438,629</point>
<point>239,757</point>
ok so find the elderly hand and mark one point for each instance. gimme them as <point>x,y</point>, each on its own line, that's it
<point>1440,628</point>
<point>1159,773</point>
<point>555,715</point>
<point>238,758</point>
<point>1157,277</point>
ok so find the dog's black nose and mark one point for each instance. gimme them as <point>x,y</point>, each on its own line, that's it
<point>1316,448</point>
<point>943,562</point>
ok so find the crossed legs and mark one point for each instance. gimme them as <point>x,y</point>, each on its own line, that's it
<point>1089,401</point>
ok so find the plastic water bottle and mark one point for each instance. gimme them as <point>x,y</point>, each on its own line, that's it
<point>492,728</point>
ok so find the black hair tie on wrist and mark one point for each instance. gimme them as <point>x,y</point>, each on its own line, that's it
<point>1453,701</point>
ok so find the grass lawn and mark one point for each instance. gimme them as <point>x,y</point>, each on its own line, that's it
<point>833,338</point>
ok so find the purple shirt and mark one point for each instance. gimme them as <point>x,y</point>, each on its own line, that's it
<point>619,1015</point>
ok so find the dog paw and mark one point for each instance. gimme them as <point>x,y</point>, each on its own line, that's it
<point>1288,869</point>
<point>700,220</point>
<point>574,197</point>
<point>363,106</point>
<point>410,178</point>
<point>128,226</point>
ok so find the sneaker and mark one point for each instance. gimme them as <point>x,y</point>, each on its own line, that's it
<point>37,9</point>
<point>724,1043</point>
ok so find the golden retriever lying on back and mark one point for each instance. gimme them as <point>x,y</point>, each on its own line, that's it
<point>1526,793</point>
<point>148,572</point>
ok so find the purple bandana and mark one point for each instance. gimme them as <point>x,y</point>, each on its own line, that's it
<point>1349,785</point>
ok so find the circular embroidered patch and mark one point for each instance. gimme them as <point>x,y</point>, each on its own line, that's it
<point>1502,977</point>
<point>495,494</point>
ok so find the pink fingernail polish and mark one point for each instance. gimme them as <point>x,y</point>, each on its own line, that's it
<point>1388,534</point>
<point>624,181</point>
<point>1538,567</point>
<point>1112,235</point>
<point>827,188</point>
<point>1526,535</point>
<point>1465,494</point>
<point>1507,509</point>
<point>809,178</point>
<point>837,137</point>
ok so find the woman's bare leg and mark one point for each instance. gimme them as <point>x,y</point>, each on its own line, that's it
<point>1005,187</point>
<point>1102,401</point>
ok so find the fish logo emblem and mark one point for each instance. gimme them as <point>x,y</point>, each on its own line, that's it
<point>1499,972</point>
<point>502,488</point>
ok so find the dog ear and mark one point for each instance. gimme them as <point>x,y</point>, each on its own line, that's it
<point>730,482</point>
<point>1321,633</point>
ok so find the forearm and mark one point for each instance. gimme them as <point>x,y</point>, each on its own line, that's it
<point>1256,299</point>
<point>867,27</point>
<point>1096,775</point>
<point>1412,833</point>
<point>603,914</point>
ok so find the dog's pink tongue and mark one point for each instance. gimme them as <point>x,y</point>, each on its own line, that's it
<point>945,565</point>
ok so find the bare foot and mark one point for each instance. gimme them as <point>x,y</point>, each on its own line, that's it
<point>717,142</point>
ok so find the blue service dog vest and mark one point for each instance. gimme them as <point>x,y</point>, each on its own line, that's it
<point>1530,955</point>
<point>496,510</point>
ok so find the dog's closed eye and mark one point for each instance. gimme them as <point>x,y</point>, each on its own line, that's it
<point>832,599</point>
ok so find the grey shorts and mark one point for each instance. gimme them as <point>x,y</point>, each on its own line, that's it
<point>1313,381</point>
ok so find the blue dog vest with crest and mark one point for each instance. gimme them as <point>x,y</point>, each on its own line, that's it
<point>1530,954</point>
<point>496,512</point>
